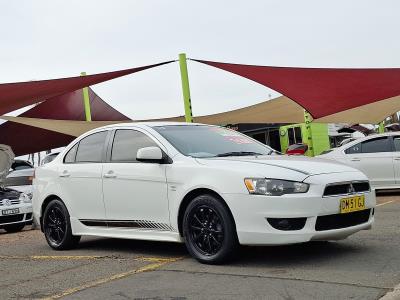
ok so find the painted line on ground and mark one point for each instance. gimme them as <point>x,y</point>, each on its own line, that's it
<point>158,263</point>
<point>49,257</point>
<point>385,203</point>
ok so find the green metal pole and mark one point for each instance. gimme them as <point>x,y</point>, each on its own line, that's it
<point>308,120</point>
<point>86,101</point>
<point>185,88</point>
<point>381,128</point>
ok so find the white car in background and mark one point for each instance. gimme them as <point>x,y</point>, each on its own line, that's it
<point>377,156</point>
<point>15,206</point>
<point>207,186</point>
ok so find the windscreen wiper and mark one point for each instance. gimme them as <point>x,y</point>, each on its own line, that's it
<point>238,153</point>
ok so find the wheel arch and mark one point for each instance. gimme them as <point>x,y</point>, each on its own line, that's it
<point>192,195</point>
<point>46,202</point>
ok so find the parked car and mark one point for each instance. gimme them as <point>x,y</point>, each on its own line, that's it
<point>377,156</point>
<point>20,177</point>
<point>15,206</point>
<point>207,186</point>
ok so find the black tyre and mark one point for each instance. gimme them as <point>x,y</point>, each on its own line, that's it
<point>14,227</point>
<point>209,230</point>
<point>57,226</point>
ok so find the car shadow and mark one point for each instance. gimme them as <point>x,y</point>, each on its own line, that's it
<point>123,246</point>
<point>272,256</point>
<point>297,254</point>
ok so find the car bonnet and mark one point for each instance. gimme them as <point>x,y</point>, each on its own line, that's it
<point>6,159</point>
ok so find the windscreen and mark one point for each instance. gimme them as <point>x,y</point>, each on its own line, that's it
<point>211,141</point>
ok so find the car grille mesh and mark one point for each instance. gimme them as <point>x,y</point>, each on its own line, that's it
<point>3,202</point>
<point>346,188</point>
<point>338,221</point>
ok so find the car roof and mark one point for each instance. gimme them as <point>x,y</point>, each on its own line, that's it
<point>148,124</point>
<point>368,137</point>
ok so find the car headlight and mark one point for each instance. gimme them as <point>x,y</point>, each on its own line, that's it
<point>26,198</point>
<point>274,187</point>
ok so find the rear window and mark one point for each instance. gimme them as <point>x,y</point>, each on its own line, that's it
<point>90,148</point>
<point>70,157</point>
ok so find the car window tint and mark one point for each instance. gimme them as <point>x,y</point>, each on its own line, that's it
<point>376,145</point>
<point>396,140</point>
<point>90,148</point>
<point>126,144</point>
<point>353,149</point>
<point>70,157</point>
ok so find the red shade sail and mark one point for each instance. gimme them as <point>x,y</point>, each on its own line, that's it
<point>25,139</point>
<point>17,95</point>
<point>322,91</point>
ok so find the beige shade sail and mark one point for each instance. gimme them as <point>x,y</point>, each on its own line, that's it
<point>284,110</point>
<point>278,110</point>
<point>73,128</point>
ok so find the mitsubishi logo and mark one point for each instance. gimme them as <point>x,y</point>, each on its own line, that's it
<point>351,189</point>
<point>7,202</point>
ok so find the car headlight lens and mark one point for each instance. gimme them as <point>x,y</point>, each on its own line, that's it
<point>26,198</point>
<point>274,187</point>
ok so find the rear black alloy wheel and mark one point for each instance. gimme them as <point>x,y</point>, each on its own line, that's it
<point>57,226</point>
<point>209,230</point>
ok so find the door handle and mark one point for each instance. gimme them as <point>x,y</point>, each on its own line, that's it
<point>397,158</point>
<point>355,159</point>
<point>110,174</point>
<point>65,173</point>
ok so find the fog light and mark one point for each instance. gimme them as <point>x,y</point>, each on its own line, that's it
<point>287,224</point>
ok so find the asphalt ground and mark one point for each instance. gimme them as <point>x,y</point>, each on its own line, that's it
<point>364,266</point>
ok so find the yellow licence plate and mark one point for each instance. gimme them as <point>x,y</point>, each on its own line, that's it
<point>351,204</point>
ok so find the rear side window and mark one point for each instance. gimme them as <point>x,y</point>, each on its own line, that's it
<point>90,148</point>
<point>376,145</point>
<point>353,149</point>
<point>70,157</point>
<point>396,140</point>
<point>126,144</point>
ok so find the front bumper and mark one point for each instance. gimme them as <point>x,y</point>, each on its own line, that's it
<point>251,214</point>
<point>23,216</point>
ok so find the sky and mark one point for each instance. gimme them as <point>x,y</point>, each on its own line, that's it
<point>52,39</point>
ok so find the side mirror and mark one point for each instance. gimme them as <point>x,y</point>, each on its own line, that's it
<point>151,155</point>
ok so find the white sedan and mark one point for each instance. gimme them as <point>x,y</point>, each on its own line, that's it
<point>377,156</point>
<point>207,186</point>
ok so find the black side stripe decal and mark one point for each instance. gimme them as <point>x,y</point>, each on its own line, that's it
<point>144,224</point>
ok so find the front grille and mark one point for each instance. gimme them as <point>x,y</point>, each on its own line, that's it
<point>346,188</point>
<point>342,220</point>
<point>11,219</point>
<point>3,202</point>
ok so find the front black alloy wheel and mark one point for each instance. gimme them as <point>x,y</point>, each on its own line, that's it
<point>209,230</point>
<point>57,226</point>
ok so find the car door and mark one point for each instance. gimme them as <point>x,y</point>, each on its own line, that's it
<point>135,193</point>
<point>374,157</point>
<point>396,158</point>
<point>81,177</point>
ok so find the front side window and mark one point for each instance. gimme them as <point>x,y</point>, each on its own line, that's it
<point>376,145</point>
<point>210,141</point>
<point>90,148</point>
<point>126,144</point>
